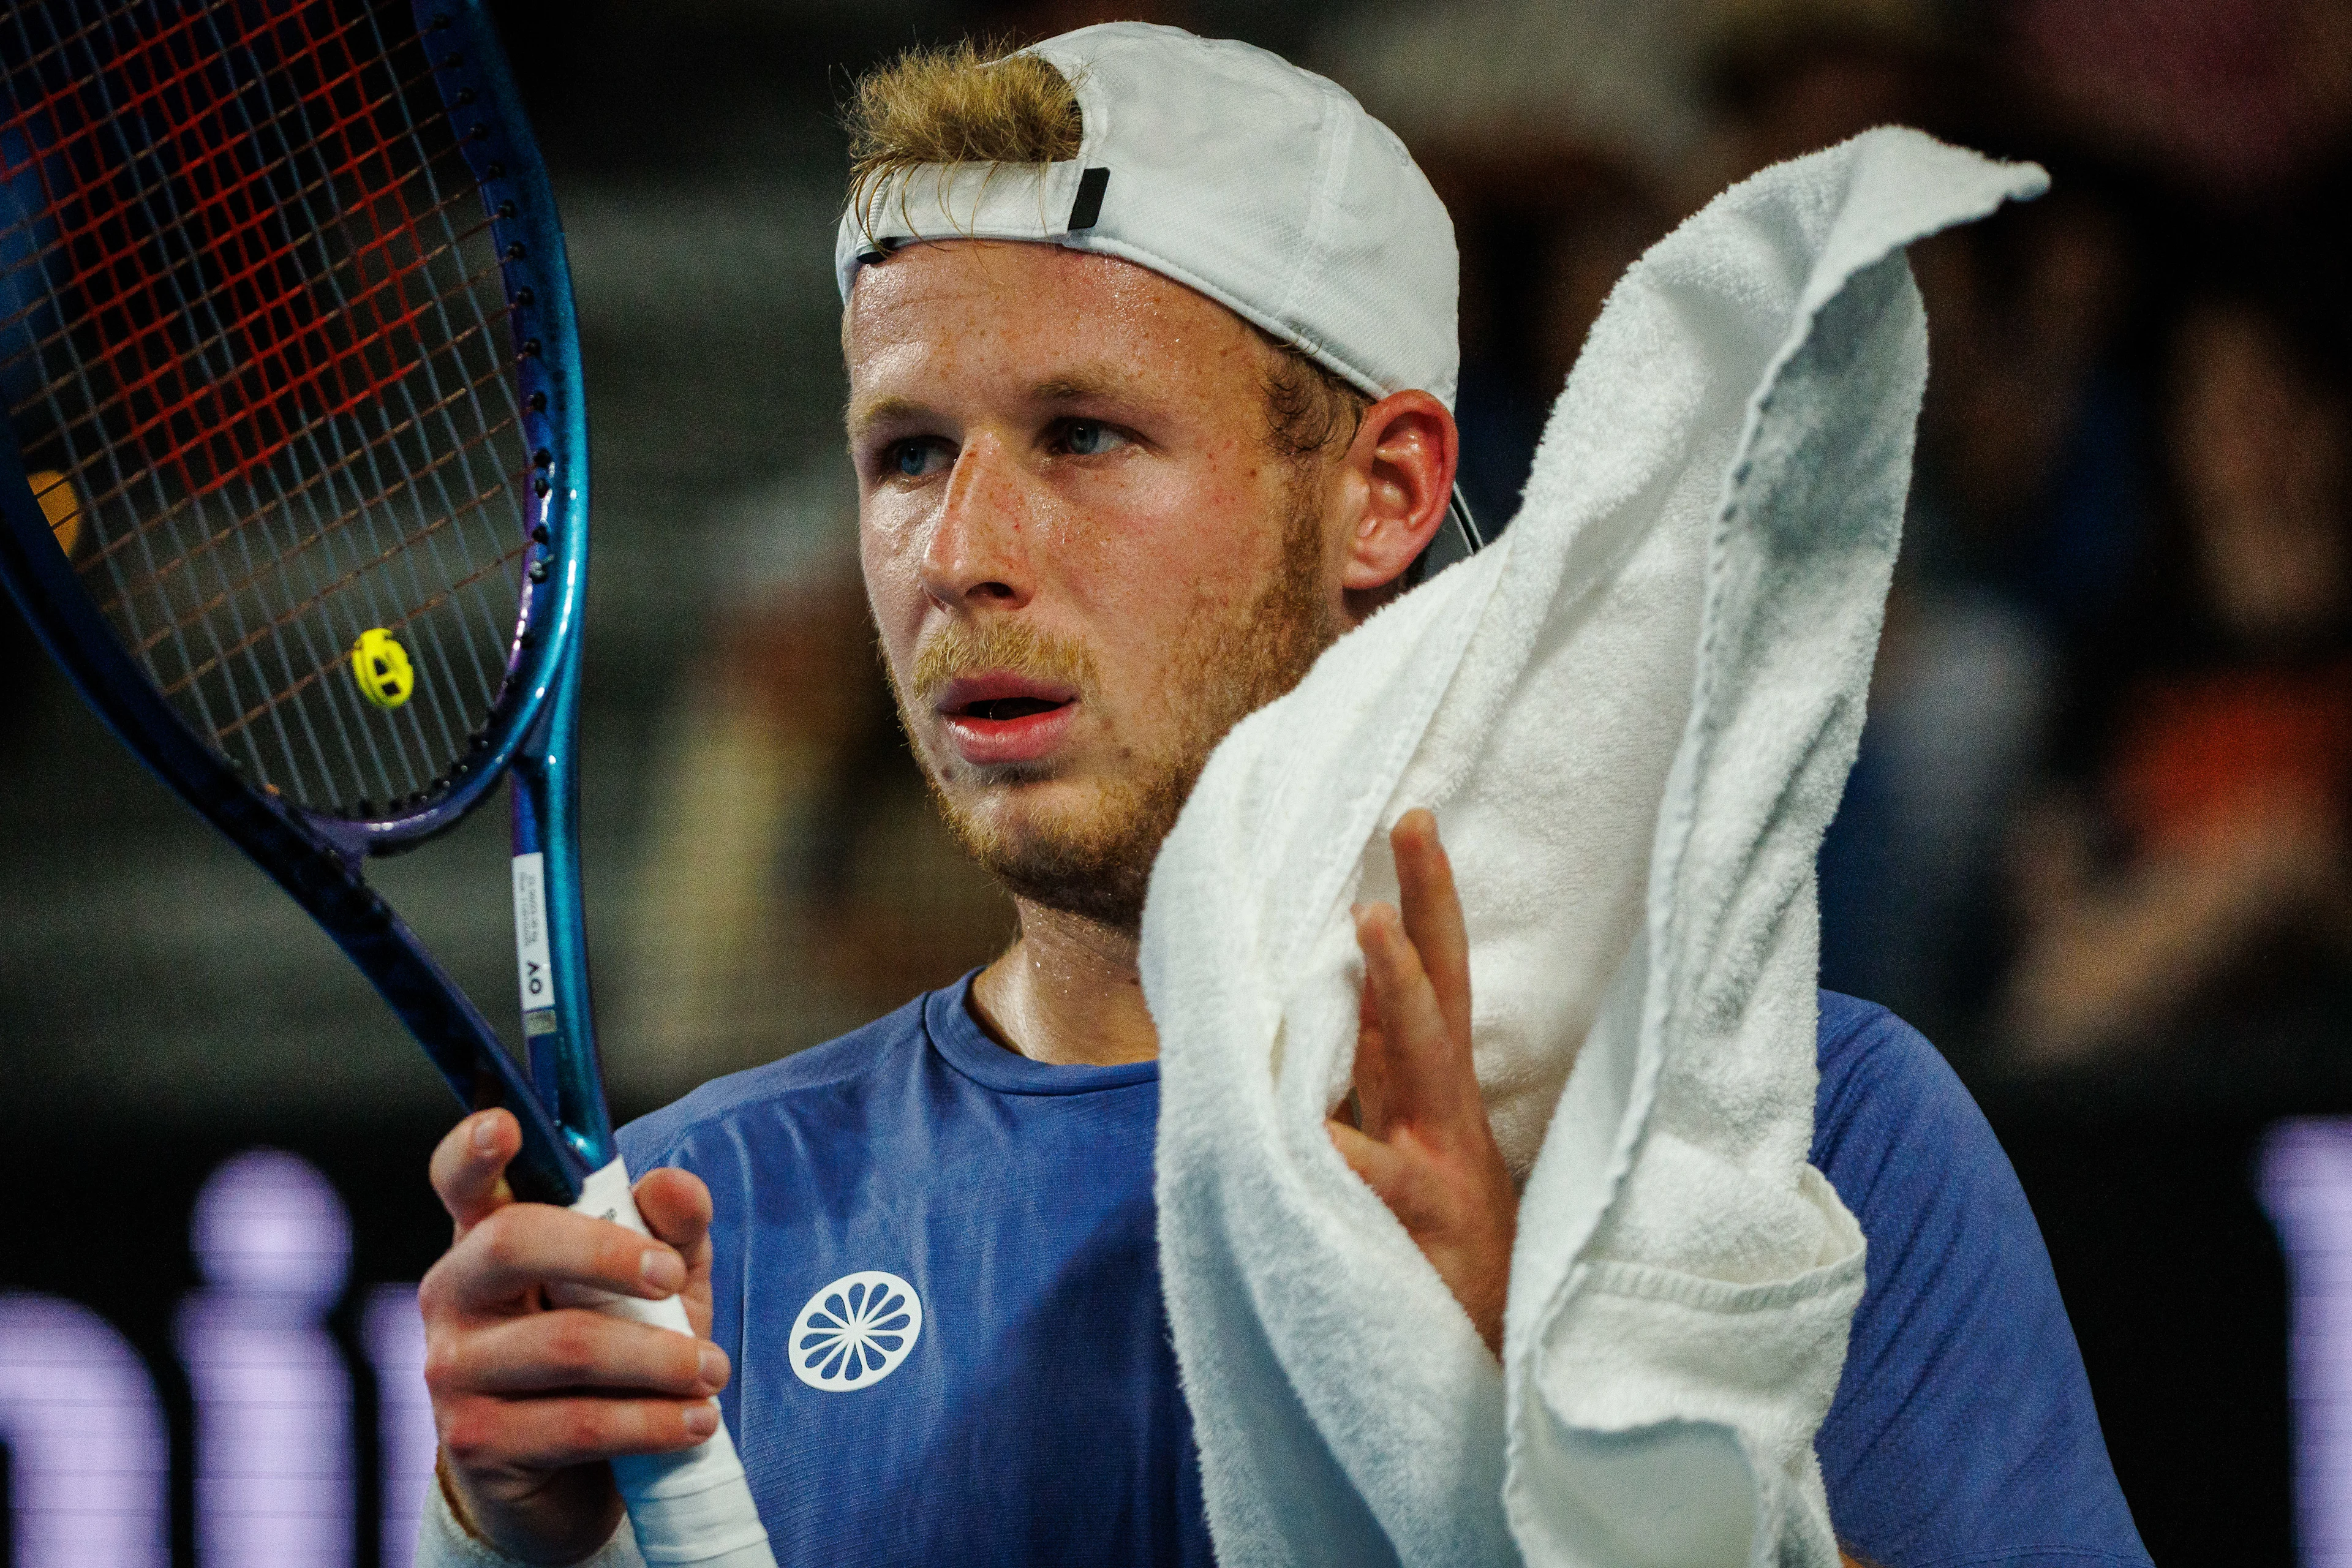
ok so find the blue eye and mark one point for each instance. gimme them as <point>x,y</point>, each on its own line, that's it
<point>1089,438</point>
<point>913,458</point>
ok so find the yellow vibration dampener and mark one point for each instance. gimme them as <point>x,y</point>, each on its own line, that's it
<point>381,667</point>
<point>61,506</point>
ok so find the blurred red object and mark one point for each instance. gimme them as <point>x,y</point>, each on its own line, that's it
<point>2212,746</point>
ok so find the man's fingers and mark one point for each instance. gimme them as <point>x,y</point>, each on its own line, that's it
<point>1402,1178</point>
<point>1371,1074</point>
<point>574,1348</point>
<point>525,1245</point>
<point>1433,916</point>
<point>1434,1164</point>
<point>1428,1075</point>
<point>1384,1169</point>
<point>486,1432</point>
<point>469,1166</point>
<point>676,1206</point>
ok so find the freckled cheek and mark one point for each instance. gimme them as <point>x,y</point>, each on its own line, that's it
<point>1145,594</point>
<point>1222,541</point>
<point>891,558</point>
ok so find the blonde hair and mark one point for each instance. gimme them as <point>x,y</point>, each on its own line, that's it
<point>969,102</point>
<point>959,103</point>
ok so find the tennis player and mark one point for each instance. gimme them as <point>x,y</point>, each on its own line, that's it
<point>1137,437</point>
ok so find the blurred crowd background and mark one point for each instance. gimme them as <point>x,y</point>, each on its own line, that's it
<point>2095,845</point>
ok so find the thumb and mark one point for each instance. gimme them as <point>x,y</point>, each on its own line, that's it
<point>676,1206</point>
<point>470,1167</point>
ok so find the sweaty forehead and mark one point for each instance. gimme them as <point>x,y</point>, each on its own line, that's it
<point>1035,315</point>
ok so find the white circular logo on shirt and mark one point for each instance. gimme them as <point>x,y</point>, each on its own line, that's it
<point>854,1332</point>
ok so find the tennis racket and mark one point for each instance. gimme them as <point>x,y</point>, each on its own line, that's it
<point>294,487</point>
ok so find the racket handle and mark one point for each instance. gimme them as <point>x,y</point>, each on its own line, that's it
<point>692,1508</point>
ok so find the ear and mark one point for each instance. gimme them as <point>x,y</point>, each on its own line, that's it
<point>1401,463</point>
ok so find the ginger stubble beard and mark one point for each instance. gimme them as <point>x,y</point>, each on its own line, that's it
<point>1094,861</point>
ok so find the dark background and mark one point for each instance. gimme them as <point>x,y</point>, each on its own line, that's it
<point>762,868</point>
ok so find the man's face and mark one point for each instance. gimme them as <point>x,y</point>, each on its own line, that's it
<point>1083,558</point>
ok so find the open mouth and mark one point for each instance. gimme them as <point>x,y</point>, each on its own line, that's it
<point>1004,707</point>
<point>999,717</point>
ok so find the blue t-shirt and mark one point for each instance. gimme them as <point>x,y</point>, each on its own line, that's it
<point>935,1271</point>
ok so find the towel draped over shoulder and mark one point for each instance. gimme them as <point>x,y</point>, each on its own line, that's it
<point>1633,716</point>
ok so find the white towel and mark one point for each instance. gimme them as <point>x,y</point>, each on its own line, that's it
<point>1634,717</point>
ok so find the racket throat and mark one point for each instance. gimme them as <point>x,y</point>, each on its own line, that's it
<point>535,970</point>
<point>551,979</point>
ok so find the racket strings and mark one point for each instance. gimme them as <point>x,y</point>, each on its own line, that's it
<point>70,143</point>
<point>230,216</point>
<point>157,188</point>
<point>227,535</point>
<point>226,331</point>
<point>269,704</point>
<point>68,433</point>
<point>381,558</point>
<point>480,279</point>
<point>248,316</point>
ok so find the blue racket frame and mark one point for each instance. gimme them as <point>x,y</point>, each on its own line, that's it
<point>531,734</point>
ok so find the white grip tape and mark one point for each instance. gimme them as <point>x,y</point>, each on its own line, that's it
<point>693,1507</point>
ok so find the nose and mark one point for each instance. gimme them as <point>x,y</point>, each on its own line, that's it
<point>978,553</point>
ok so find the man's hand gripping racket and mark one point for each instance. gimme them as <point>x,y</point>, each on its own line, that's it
<point>293,486</point>
<point>533,1395</point>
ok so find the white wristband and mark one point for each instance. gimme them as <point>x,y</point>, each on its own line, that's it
<point>443,1542</point>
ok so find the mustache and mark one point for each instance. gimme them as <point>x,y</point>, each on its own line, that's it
<point>1015,647</point>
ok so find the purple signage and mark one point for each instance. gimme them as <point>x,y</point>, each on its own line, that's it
<point>2307,1186</point>
<point>273,1398</point>
<point>88,1457</point>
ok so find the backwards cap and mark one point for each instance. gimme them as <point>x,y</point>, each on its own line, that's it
<point>1232,172</point>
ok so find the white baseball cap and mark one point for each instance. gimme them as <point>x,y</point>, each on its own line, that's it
<point>1232,172</point>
